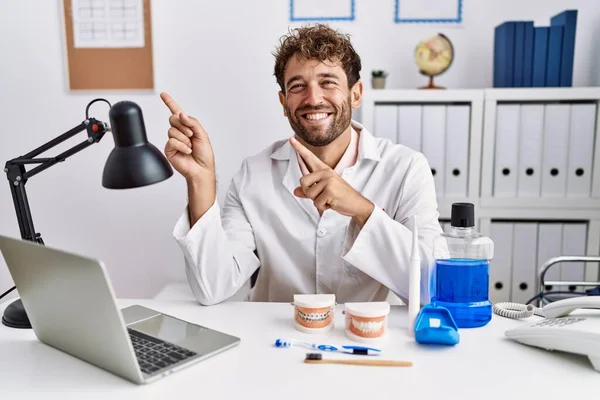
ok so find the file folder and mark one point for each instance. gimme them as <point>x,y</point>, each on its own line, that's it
<point>501,234</point>
<point>556,143</point>
<point>409,126</point>
<point>574,244</point>
<point>581,150</point>
<point>530,150</point>
<point>524,261</point>
<point>549,245</point>
<point>434,143</point>
<point>568,20</point>
<point>540,55</point>
<point>554,62</point>
<point>506,150</point>
<point>457,150</point>
<point>386,122</point>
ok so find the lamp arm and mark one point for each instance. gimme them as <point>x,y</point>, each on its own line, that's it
<point>18,176</point>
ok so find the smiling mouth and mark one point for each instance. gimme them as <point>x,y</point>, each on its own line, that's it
<point>313,117</point>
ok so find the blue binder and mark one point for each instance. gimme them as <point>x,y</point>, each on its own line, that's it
<point>528,54</point>
<point>568,20</point>
<point>555,46</point>
<point>540,55</point>
<point>518,80</point>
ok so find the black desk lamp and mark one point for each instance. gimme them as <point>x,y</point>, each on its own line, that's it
<point>134,162</point>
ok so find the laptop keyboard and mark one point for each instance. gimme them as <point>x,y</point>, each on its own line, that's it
<point>154,354</point>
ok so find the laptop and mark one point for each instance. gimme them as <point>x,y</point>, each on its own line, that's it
<point>71,306</point>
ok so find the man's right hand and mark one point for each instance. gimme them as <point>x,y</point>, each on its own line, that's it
<point>188,149</point>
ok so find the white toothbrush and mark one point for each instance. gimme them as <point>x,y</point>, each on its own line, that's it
<point>414,272</point>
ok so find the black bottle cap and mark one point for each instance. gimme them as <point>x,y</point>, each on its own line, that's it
<point>463,215</point>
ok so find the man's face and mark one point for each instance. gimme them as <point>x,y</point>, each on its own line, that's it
<point>318,102</point>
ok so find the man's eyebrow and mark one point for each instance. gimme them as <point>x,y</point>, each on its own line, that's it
<point>292,79</point>
<point>329,75</point>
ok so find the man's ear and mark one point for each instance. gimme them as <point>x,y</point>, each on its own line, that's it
<point>282,101</point>
<point>356,94</point>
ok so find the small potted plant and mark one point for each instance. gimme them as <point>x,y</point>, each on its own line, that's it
<point>378,78</point>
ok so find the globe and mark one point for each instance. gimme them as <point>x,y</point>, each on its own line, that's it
<point>434,56</point>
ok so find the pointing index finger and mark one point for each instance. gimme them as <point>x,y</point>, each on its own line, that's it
<point>170,103</point>
<point>312,161</point>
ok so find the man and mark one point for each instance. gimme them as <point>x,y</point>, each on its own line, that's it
<point>327,211</point>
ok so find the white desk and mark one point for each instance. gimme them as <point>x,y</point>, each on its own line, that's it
<point>484,365</point>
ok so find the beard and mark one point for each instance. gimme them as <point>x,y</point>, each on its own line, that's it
<point>318,136</point>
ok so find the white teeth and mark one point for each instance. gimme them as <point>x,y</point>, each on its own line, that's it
<point>367,327</point>
<point>314,117</point>
<point>313,317</point>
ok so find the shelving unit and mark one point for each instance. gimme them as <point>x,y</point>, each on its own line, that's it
<point>532,158</point>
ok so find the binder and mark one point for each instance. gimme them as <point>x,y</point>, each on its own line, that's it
<point>568,20</point>
<point>501,234</point>
<point>530,154</point>
<point>581,150</point>
<point>549,245</point>
<point>434,142</point>
<point>528,54</point>
<point>540,55</point>
<point>457,150</point>
<point>554,62</point>
<point>519,54</point>
<point>506,150</point>
<point>504,54</point>
<point>524,262</point>
<point>574,244</point>
<point>556,142</point>
<point>386,122</point>
<point>409,126</point>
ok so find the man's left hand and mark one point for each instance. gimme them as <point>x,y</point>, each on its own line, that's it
<point>328,190</point>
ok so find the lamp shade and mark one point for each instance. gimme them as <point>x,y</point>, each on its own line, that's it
<point>134,162</point>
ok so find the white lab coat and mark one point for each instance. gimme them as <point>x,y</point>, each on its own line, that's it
<point>262,224</point>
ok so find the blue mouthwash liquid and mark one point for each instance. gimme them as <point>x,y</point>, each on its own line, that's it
<point>462,286</point>
<point>462,270</point>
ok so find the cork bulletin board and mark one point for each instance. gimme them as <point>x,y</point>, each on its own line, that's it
<point>108,44</point>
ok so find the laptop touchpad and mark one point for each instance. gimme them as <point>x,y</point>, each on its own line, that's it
<point>137,313</point>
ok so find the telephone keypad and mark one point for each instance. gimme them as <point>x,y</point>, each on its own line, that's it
<point>558,322</point>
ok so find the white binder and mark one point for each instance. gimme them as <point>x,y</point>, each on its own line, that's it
<point>386,122</point>
<point>556,142</point>
<point>434,143</point>
<point>501,234</point>
<point>530,151</point>
<point>409,126</point>
<point>457,150</point>
<point>581,150</point>
<point>574,244</point>
<point>507,146</point>
<point>524,262</point>
<point>549,246</point>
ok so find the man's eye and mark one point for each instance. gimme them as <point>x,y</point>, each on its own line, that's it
<point>329,83</point>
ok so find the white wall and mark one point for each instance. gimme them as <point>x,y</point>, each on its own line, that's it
<point>215,58</point>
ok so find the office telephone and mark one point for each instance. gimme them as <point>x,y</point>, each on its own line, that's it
<point>559,330</point>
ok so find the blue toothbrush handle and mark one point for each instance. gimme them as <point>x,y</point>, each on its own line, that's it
<point>326,347</point>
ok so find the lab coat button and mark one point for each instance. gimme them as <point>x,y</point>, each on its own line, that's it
<point>321,232</point>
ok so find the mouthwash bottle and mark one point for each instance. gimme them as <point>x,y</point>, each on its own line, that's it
<point>462,270</point>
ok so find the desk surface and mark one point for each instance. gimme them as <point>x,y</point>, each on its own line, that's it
<point>484,365</point>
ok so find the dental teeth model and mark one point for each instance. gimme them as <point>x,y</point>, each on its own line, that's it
<point>314,312</point>
<point>366,322</point>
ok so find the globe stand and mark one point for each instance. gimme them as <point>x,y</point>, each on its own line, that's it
<point>431,85</point>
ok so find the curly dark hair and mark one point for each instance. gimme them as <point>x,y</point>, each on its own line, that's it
<point>318,42</point>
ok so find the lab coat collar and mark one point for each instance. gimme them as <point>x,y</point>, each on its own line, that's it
<point>367,149</point>
<point>367,146</point>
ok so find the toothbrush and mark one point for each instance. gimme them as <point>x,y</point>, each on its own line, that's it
<point>327,347</point>
<point>414,276</point>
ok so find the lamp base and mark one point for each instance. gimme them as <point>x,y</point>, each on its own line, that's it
<point>15,316</point>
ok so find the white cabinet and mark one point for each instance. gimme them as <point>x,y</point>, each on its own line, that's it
<point>527,158</point>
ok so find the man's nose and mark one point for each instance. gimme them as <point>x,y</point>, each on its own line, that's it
<point>314,95</point>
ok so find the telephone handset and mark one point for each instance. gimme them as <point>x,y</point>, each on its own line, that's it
<point>559,330</point>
